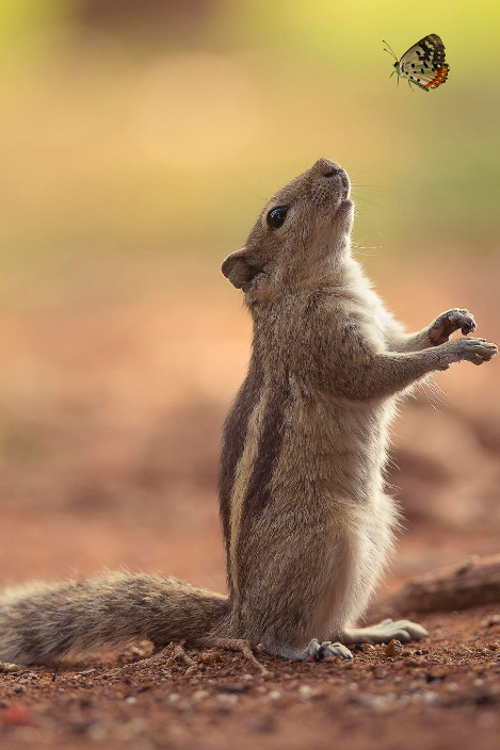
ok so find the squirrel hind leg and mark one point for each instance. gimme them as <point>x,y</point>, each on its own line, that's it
<point>315,649</point>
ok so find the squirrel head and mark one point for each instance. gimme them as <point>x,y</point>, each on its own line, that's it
<point>298,239</point>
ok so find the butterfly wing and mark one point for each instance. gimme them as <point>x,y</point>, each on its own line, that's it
<point>424,63</point>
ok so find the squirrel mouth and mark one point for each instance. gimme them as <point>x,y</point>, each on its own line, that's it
<point>345,206</point>
<point>345,198</point>
<point>346,184</point>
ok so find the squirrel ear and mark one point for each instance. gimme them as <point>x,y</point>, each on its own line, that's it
<point>239,271</point>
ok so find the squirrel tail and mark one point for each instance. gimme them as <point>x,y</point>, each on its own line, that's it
<point>41,622</point>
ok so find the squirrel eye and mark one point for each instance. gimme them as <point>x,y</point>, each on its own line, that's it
<point>276,217</point>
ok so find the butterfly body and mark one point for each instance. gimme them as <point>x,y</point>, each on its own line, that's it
<point>424,63</point>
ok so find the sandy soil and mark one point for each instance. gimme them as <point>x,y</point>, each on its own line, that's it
<point>443,694</point>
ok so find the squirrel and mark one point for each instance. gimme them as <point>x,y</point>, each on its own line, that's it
<point>306,520</point>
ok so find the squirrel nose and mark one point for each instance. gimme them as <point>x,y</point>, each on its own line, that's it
<point>328,168</point>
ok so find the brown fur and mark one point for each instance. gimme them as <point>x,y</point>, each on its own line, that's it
<point>306,521</point>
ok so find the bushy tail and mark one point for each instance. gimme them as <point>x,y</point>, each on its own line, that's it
<point>42,622</point>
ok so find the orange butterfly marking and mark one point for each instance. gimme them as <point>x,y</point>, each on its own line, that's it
<point>440,78</point>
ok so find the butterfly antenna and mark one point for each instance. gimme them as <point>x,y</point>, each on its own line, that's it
<point>389,50</point>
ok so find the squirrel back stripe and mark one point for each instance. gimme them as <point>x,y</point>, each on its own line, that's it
<point>233,441</point>
<point>260,486</point>
<point>243,473</point>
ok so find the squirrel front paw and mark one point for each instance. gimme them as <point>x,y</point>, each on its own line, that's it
<point>450,321</point>
<point>476,351</point>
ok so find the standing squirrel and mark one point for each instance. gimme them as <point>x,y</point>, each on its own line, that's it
<point>307,524</point>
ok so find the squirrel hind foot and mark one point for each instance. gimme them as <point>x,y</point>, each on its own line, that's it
<point>327,650</point>
<point>318,651</point>
<point>385,631</point>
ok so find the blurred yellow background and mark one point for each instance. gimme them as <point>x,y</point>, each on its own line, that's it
<point>138,141</point>
<point>135,135</point>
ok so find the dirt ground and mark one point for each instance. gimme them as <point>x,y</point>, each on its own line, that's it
<point>444,693</point>
<point>109,440</point>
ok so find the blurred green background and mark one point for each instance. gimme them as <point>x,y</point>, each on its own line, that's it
<point>139,138</point>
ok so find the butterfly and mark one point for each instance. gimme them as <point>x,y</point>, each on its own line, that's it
<point>423,64</point>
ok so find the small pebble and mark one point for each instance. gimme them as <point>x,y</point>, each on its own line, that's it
<point>174,697</point>
<point>228,699</point>
<point>429,696</point>
<point>435,675</point>
<point>200,695</point>
<point>379,703</point>
<point>306,692</point>
<point>249,677</point>
<point>6,667</point>
<point>274,695</point>
<point>190,671</point>
<point>393,648</point>
<point>491,620</point>
<point>131,700</point>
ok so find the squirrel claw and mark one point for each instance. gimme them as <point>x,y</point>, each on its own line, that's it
<point>450,321</point>
<point>241,645</point>
<point>327,650</point>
